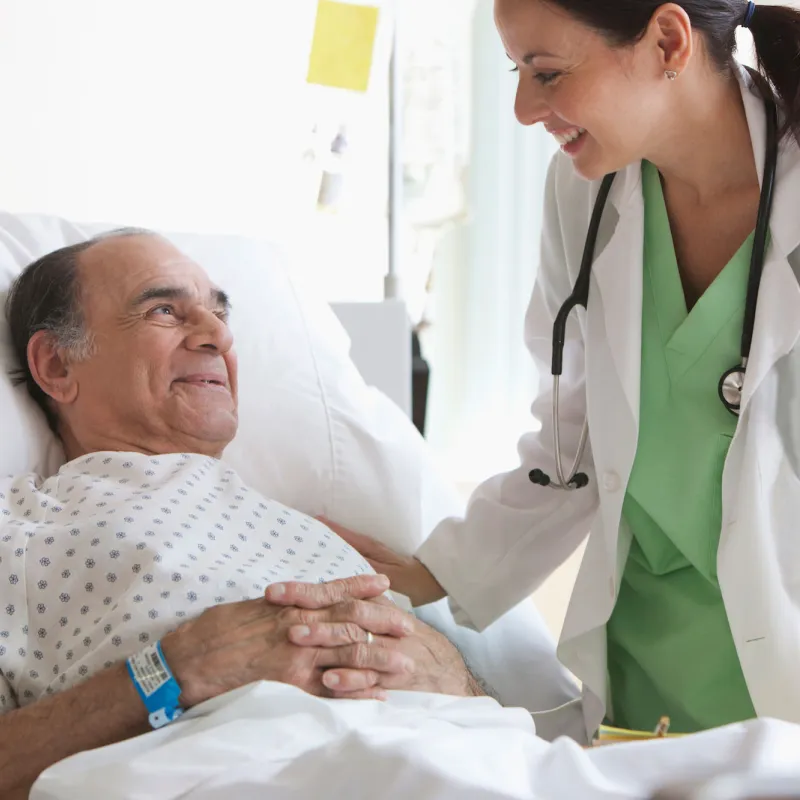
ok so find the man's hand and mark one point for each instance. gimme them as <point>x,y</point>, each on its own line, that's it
<point>232,645</point>
<point>407,575</point>
<point>437,665</point>
<point>224,648</point>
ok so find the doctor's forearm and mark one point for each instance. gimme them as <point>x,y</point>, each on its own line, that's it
<point>423,588</point>
<point>103,710</point>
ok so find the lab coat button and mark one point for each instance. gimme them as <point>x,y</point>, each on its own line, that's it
<point>611,481</point>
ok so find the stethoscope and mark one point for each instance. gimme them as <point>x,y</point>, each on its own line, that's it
<point>731,384</point>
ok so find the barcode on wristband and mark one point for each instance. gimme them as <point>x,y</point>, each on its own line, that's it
<point>149,671</point>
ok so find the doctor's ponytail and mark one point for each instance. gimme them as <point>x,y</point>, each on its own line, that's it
<point>776,33</point>
<point>775,29</point>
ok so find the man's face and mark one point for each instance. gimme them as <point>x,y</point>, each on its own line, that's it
<point>163,377</point>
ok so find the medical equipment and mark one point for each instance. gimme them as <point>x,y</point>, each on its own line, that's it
<point>731,383</point>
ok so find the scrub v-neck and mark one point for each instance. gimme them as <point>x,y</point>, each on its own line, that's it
<point>670,649</point>
<point>687,334</point>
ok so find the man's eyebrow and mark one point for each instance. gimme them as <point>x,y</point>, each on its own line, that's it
<point>219,299</point>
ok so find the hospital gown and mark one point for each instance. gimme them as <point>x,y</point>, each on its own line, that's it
<point>117,549</point>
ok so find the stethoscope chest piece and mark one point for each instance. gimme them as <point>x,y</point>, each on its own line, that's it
<point>730,389</point>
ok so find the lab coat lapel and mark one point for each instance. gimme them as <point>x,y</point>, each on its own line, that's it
<point>614,350</point>
<point>777,327</point>
<point>617,283</point>
<point>613,373</point>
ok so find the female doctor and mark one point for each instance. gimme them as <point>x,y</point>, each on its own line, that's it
<point>685,361</point>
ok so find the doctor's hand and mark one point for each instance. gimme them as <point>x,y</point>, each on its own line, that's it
<point>407,575</point>
<point>434,665</point>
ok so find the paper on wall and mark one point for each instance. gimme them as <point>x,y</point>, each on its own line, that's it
<point>343,48</point>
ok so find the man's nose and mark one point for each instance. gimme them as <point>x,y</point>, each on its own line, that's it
<point>529,106</point>
<point>209,332</point>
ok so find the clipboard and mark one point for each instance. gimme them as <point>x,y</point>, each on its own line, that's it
<point>608,734</point>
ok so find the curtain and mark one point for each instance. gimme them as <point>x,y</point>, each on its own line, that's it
<point>483,380</point>
<point>434,38</point>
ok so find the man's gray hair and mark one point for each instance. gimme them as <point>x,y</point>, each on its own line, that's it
<point>47,297</point>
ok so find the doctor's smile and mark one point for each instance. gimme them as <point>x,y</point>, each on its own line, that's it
<point>669,427</point>
<point>570,139</point>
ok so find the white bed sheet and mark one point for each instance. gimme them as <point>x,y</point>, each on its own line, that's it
<point>271,740</point>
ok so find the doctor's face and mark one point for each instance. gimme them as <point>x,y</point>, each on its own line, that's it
<point>599,102</point>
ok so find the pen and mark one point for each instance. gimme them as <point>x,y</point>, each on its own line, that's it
<point>662,728</point>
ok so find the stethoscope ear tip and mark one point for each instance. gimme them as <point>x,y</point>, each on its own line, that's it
<point>580,481</point>
<point>538,478</point>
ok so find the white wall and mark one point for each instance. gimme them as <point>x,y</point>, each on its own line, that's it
<point>483,378</point>
<point>188,115</point>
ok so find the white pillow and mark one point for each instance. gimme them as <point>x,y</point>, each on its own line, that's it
<point>312,434</point>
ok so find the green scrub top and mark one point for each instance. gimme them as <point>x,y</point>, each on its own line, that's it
<point>670,648</point>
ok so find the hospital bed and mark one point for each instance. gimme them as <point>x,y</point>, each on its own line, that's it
<point>361,462</point>
<point>380,346</point>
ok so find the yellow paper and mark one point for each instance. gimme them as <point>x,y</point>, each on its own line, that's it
<point>344,41</point>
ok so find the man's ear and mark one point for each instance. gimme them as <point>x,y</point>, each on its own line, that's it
<point>51,369</point>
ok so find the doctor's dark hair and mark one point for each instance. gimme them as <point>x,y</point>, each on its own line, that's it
<point>775,29</point>
<point>47,297</point>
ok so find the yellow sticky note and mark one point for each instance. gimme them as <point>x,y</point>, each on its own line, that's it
<point>344,41</point>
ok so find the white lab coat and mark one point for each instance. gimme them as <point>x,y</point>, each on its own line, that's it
<point>515,534</point>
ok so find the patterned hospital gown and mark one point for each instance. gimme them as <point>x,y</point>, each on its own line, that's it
<point>117,549</point>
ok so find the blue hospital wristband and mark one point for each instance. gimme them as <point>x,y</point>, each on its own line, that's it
<point>156,685</point>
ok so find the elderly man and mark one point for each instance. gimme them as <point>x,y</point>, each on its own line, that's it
<point>144,565</point>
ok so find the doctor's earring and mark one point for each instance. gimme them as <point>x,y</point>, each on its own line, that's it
<point>671,75</point>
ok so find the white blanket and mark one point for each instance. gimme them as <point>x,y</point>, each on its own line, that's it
<point>271,740</point>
